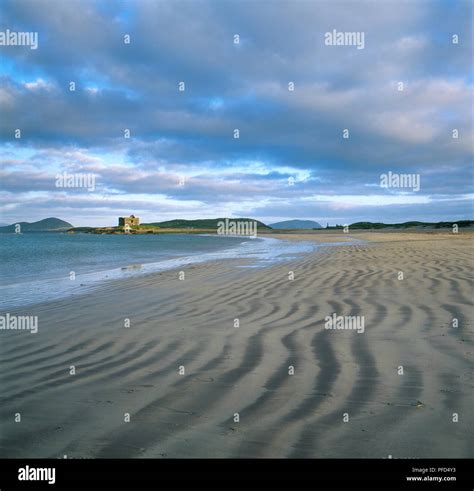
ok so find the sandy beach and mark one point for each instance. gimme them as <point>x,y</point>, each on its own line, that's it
<point>183,372</point>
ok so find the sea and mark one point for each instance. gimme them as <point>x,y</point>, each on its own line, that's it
<point>38,267</point>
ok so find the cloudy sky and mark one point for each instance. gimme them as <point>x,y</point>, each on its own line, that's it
<point>237,61</point>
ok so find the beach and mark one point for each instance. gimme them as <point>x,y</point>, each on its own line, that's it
<point>235,361</point>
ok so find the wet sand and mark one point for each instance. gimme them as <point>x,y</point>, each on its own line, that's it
<point>346,397</point>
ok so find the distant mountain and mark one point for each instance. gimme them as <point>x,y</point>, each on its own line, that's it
<point>296,224</point>
<point>210,223</point>
<point>46,225</point>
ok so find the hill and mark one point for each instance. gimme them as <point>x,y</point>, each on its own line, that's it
<point>296,224</point>
<point>210,223</point>
<point>46,225</point>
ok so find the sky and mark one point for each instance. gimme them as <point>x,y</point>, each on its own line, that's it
<point>402,95</point>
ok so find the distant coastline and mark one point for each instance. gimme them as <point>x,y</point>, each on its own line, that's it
<point>197,227</point>
<point>210,226</point>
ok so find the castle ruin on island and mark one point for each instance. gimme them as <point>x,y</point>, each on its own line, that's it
<point>132,221</point>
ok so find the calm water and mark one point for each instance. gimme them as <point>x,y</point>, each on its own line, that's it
<point>37,266</point>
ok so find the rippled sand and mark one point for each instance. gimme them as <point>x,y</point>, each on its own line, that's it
<point>245,370</point>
